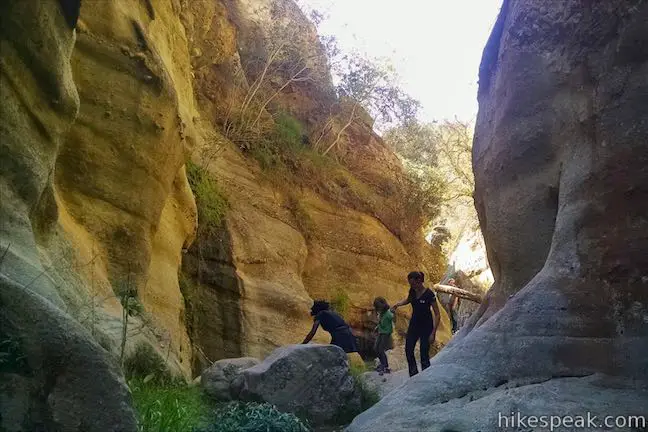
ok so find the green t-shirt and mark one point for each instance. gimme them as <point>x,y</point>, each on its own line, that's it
<point>386,323</point>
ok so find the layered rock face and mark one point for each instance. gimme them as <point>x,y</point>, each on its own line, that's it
<point>288,240</point>
<point>127,204</point>
<point>54,376</point>
<point>560,167</point>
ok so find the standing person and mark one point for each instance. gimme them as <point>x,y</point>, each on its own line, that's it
<point>385,328</point>
<point>334,324</point>
<point>422,326</point>
<point>453,305</point>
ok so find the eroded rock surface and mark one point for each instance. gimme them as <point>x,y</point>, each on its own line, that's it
<point>54,376</point>
<point>560,162</point>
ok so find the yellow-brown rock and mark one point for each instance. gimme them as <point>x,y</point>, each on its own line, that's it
<point>119,175</point>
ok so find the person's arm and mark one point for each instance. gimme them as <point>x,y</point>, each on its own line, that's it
<point>436,318</point>
<point>310,335</point>
<point>399,304</point>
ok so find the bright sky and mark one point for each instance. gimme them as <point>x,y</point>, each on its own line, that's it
<point>435,45</point>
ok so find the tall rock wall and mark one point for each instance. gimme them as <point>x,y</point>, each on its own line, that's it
<point>288,237</point>
<point>560,167</point>
<point>54,376</point>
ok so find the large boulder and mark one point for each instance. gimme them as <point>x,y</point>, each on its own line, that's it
<point>309,380</point>
<point>561,168</point>
<point>217,379</point>
<point>53,376</point>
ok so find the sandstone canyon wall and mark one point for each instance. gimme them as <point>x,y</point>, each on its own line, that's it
<point>290,237</point>
<point>54,376</point>
<point>560,162</point>
<point>98,214</point>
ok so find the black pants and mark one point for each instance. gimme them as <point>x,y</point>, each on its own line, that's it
<point>414,334</point>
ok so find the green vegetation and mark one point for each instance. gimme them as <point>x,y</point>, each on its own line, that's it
<point>288,131</point>
<point>438,160</point>
<point>254,417</point>
<point>168,408</point>
<point>341,302</point>
<point>210,199</point>
<point>276,147</point>
<point>145,362</point>
<point>126,291</point>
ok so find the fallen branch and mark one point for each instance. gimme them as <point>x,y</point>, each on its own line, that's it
<point>458,292</point>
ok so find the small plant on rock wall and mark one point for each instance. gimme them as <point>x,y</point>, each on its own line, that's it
<point>341,302</point>
<point>210,199</point>
<point>127,293</point>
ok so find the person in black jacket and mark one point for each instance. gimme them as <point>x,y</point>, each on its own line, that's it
<point>334,324</point>
<point>423,324</point>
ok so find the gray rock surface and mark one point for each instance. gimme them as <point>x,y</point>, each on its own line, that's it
<point>384,384</point>
<point>217,379</point>
<point>561,168</point>
<point>53,376</point>
<point>309,380</point>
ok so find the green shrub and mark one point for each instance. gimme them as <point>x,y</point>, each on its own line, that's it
<point>341,302</point>
<point>273,148</point>
<point>266,155</point>
<point>169,408</point>
<point>210,199</point>
<point>254,417</point>
<point>357,369</point>
<point>146,362</point>
<point>288,131</point>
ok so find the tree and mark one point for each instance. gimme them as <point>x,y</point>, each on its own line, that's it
<point>437,153</point>
<point>279,58</point>
<point>371,86</point>
<point>439,157</point>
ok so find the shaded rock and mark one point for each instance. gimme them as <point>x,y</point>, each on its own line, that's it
<point>309,380</point>
<point>217,379</point>
<point>53,376</point>
<point>560,166</point>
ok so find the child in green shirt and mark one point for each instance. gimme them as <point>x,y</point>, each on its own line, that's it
<point>385,328</point>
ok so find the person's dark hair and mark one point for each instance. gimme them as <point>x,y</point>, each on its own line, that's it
<point>319,306</point>
<point>416,275</point>
<point>380,303</point>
